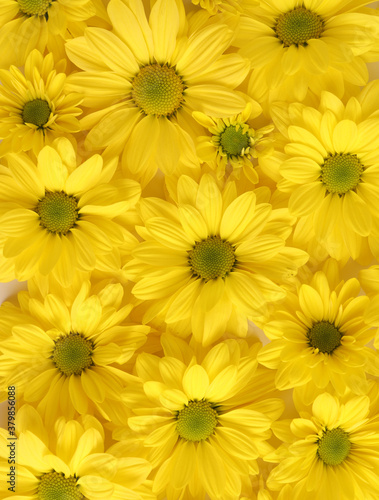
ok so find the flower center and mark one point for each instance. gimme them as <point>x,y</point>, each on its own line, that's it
<point>54,486</point>
<point>36,112</point>
<point>212,258</point>
<point>341,172</point>
<point>298,26</point>
<point>72,353</point>
<point>234,139</point>
<point>58,212</point>
<point>158,90</point>
<point>324,336</point>
<point>334,446</point>
<point>196,421</point>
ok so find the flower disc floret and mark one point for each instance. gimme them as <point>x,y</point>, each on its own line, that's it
<point>341,173</point>
<point>234,139</point>
<point>54,485</point>
<point>36,112</point>
<point>334,446</point>
<point>58,212</point>
<point>196,421</point>
<point>298,26</point>
<point>34,7</point>
<point>324,336</point>
<point>212,258</point>
<point>72,354</point>
<point>158,90</point>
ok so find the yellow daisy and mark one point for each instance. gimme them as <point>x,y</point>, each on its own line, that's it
<point>318,337</point>
<point>331,453</point>
<point>34,107</point>
<point>67,358</point>
<point>299,44</point>
<point>202,424</point>
<point>233,141</point>
<point>213,259</point>
<point>147,79</point>
<point>330,167</point>
<point>35,24</point>
<point>68,462</point>
<point>57,217</point>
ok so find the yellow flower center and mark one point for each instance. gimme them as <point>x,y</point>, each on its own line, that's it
<point>34,7</point>
<point>55,485</point>
<point>72,354</point>
<point>196,421</point>
<point>334,446</point>
<point>158,90</point>
<point>234,139</point>
<point>58,212</point>
<point>341,172</point>
<point>212,258</point>
<point>324,336</point>
<point>298,26</point>
<point>36,112</point>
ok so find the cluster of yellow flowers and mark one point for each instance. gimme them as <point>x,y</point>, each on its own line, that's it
<point>191,192</point>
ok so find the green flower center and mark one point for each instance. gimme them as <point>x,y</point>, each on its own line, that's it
<point>234,139</point>
<point>72,354</point>
<point>341,172</point>
<point>36,112</point>
<point>158,90</point>
<point>334,446</point>
<point>58,212</point>
<point>324,336</point>
<point>196,421</point>
<point>298,26</point>
<point>212,258</point>
<point>55,486</point>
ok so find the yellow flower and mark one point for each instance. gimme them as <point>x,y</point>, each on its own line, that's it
<point>299,44</point>
<point>233,142</point>
<point>56,217</point>
<point>211,260</point>
<point>62,357</point>
<point>37,24</point>
<point>34,108</point>
<point>331,453</point>
<point>69,462</point>
<point>146,79</point>
<point>318,337</point>
<point>202,424</point>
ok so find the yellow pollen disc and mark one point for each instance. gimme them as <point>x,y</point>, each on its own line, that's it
<point>334,446</point>
<point>212,258</point>
<point>298,26</point>
<point>34,7</point>
<point>58,212</point>
<point>341,172</point>
<point>72,354</point>
<point>196,421</point>
<point>158,90</point>
<point>55,486</point>
<point>324,336</point>
<point>36,112</point>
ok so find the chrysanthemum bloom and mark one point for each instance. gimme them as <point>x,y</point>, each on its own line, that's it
<point>233,141</point>
<point>331,453</point>
<point>35,24</point>
<point>68,358</point>
<point>56,217</point>
<point>147,78</point>
<point>34,107</point>
<point>319,336</point>
<point>202,423</point>
<point>330,169</point>
<point>315,44</point>
<point>213,259</point>
<point>69,462</point>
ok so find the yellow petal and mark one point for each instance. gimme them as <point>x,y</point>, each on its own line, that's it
<point>53,172</point>
<point>164,23</point>
<point>195,382</point>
